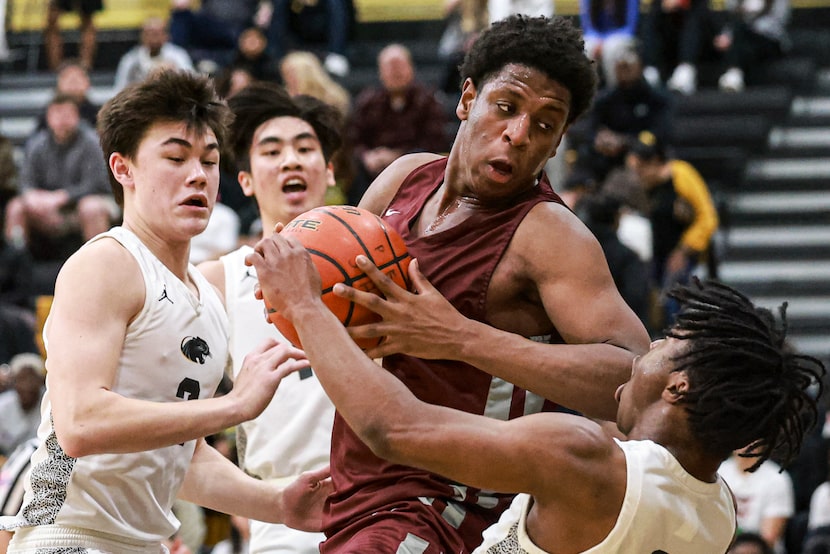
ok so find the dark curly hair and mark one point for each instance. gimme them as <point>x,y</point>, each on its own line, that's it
<point>554,46</point>
<point>747,386</point>
<point>166,96</point>
<point>261,101</point>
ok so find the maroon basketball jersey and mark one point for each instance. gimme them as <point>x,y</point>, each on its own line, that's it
<point>459,262</point>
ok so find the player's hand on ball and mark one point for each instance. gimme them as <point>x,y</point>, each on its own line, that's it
<point>262,370</point>
<point>287,277</point>
<point>418,324</point>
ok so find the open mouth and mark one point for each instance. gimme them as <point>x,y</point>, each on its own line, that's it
<point>502,167</point>
<point>294,185</point>
<point>196,201</point>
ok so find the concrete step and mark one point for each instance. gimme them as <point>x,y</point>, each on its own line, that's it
<point>778,236</point>
<point>813,137</point>
<point>796,208</point>
<point>787,174</point>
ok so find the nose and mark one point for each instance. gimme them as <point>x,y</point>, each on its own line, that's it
<point>518,130</point>
<point>290,158</point>
<point>197,172</point>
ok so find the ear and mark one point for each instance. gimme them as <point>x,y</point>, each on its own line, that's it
<point>245,183</point>
<point>330,180</point>
<point>676,387</point>
<point>121,169</point>
<point>561,136</point>
<point>465,103</point>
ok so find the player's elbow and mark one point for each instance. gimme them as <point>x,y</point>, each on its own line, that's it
<point>73,442</point>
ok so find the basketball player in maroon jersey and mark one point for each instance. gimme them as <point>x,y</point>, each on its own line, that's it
<point>532,306</point>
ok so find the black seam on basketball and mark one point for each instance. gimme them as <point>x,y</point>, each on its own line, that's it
<point>346,280</point>
<point>397,259</point>
<point>348,227</point>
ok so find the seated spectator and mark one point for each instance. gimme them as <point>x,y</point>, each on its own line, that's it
<point>601,213</point>
<point>464,20</point>
<point>674,35</point>
<point>764,496</point>
<point>64,197</point>
<point>252,54</point>
<point>303,73</point>
<point>754,32</point>
<point>316,25</point>
<point>210,33</point>
<point>399,117</point>
<point>231,80</point>
<point>682,215</point>
<point>153,52</point>
<point>52,39</point>
<point>622,112</point>
<point>610,29</point>
<point>20,407</point>
<point>73,80</point>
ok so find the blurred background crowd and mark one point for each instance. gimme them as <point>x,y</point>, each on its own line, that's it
<point>706,152</point>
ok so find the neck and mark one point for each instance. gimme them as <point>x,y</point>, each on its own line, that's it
<point>673,434</point>
<point>175,255</point>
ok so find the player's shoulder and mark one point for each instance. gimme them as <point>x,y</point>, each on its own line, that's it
<point>105,257</point>
<point>385,185</point>
<point>555,225</point>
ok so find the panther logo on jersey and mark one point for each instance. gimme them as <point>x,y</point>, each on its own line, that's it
<point>195,349</point>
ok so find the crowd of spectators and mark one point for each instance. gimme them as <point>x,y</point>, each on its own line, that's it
<point>652,213</point>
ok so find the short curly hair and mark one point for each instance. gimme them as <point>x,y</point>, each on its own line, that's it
<point>553,45</point>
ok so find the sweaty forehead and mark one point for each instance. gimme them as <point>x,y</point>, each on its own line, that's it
<point>528,80</point>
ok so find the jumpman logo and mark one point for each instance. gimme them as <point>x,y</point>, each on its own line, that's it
<point>164,295</point>
<point>248,273</point>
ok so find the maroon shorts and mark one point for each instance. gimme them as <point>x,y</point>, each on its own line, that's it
<point>410,524</point>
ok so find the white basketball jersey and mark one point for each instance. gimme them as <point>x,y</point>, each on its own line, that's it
<point>175,350</point>
<point>665,510</point>
<point>293,434</point>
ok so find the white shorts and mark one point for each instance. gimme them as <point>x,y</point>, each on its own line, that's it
<point>31,540</point>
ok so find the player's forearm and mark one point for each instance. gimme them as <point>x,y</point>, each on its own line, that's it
<point>214,482</point>
<point>107,422</point>
<point>581,377</point>
<point>368,397</point>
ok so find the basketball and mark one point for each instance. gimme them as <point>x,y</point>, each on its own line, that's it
<point>335,236</point>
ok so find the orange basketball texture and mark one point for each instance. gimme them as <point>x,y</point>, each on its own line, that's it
<point>335,236</point>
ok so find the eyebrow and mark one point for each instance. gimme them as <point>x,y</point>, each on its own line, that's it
<point>186,144</point>
<point>277,140</point>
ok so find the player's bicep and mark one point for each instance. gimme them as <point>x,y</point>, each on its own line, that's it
<point>95,298</point>
<point>580,296</point>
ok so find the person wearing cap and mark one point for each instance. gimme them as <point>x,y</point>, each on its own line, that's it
<point>20,405</point>
<point>682,215</point>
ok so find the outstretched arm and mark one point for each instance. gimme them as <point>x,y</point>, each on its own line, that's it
<point>574,292</point>
<point>529,454</point>
<point>215,482</point>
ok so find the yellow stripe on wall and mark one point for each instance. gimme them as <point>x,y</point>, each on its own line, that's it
<point>29,15</point>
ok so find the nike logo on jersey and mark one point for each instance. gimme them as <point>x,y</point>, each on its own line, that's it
<point>391,212</point>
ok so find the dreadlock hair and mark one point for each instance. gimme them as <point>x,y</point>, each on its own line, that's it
<point>553,46</point>
<point>747,386</point>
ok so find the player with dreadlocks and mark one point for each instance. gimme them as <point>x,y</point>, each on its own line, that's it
<point>723,378</point>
